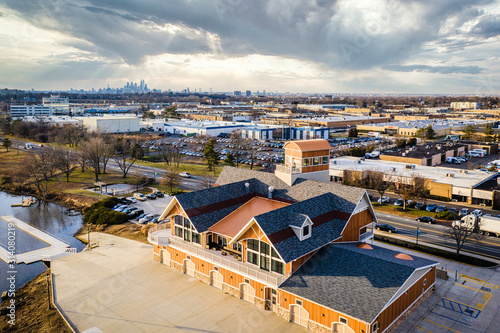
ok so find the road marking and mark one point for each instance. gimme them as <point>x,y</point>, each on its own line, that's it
<point>448,328</point>
<point>486,296</point>
<point>458,308</point>
<point>455,320</point>
<point>479,281</point>
<point>434,231</point>
<point>420,328</point>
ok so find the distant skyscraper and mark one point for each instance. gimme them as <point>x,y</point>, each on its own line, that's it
<point>248,93</point>
<point>237,93</point>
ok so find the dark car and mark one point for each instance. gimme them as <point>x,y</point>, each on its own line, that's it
<point>431,207</point>
<point>399,202</point>
<point>385,227</point>
<point>420,205</point>
<point>426,219</point>
<point>159,194</point>
<point>440,209</point>
<point>124,201</point>
<point>452,210</point>
<point>151,196</point>
<point>133,214</point>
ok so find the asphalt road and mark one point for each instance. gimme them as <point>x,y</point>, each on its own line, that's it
<point>436,234</point>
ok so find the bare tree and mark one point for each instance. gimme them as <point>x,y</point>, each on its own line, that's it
<point>171,178</point>
<point>82,160</point>
<point>408,188</point>
<point>206,182</point>
<point>37,169</point>
<point>461,235</point>
<point>251,150</point>
<point>124,157</point>
<point>92,151</point>
<point>377,182</point>
<point>107,152</point>
<point>238,144</point>
<point>177,156</point>
<point>65,161</point>
<point>166,152</point>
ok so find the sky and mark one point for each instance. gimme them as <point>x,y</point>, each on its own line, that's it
<point>301,46</point>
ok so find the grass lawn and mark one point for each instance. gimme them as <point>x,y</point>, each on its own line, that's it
<point>397,210</point>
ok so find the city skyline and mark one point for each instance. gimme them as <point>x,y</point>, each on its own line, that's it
<point>323,47</point>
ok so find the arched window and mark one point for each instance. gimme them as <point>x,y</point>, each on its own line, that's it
<point>261,254</point>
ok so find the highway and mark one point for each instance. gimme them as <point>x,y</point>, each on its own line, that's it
<point>436,234</point>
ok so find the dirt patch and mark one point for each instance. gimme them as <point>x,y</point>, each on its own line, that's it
<point>32,310</point>
<point>127,230</point>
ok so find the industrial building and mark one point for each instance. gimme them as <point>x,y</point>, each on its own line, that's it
<point>111,124</point>
<point>60,105</point>
<point>205,128</point>
<point>331,122</point>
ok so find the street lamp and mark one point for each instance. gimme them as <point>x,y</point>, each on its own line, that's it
<point>418,233</point>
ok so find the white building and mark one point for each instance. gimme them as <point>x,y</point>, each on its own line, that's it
<point>111,124</point>
<point>257,133</point>
<point>207,128</point>
<point>30,110</point>
<point>60,105</point>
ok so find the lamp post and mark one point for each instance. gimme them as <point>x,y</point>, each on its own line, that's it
<point>88,234</point>
<point>418,233</point>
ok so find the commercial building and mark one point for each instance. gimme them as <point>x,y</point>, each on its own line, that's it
<point>257,132</point>
<point>429,154</point>
<point>453,184</point>
<point>464,105</point>
<point>111,124</point>
<point>409,128</point>
<point>206,128</point>
<point>331,122</point>
<point>60,105</point>
<point>30,110</point>
<point>294,246</point>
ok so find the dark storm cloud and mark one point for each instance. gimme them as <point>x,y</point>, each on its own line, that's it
<point>488,27</point>
<point>436,69</point>
<point>317,30</point>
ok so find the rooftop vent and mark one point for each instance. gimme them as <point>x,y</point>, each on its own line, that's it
<point>450,175</point>
<point>247,187</point>
<point>464,171</point>
<point>410,166</point>
<point>364,246</point>
<point>403,256</point>
<point>270,192</point>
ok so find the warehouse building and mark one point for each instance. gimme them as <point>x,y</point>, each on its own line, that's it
<point>111,124</point>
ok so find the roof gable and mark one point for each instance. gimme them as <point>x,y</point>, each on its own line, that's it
<point>308,145</point>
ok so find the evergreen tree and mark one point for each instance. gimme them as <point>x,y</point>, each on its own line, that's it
<point>469,132</point>
<point>229,160</point>
<point>7,143</point>
<point>212,157</point>
<point>489,136</point>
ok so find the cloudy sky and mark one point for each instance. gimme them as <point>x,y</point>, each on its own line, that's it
<point>326,46</point>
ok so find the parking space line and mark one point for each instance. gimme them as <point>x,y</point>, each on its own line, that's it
<point>467,311</point>
<point>448,328</point>
<point>455,320</point>
<point>486,296</point>
<point>479,281</point>
<point>420,328</point>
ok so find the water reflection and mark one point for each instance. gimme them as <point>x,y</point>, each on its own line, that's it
<point>46,216</point>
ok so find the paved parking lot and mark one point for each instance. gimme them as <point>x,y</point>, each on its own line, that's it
<point>469,301</point>
<point>156,206</point>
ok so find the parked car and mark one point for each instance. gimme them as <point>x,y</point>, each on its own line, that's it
<point>426,219</point>
<point>384,199</point>
<point>129,210</point>
<point>410,203</point>
<point>121,208</point>
<point>154,219</point>
<point>140,216</point>
<point>440,209</point>
<point>140,196</point>
<point>146,218</point>
<point>124,201</point>
<point>133,214</point>
<point>398,202</point>
<point>477,212</point>
<point>115,208</point>
<point>151,196</point>
<point>185,175</point>
<point>420,205</point>
<point>431,207</point>
<point>159,194</point>
<point>464,211</point>
<point>452,210</point>
<point>385,227</point>
<point>132,199</point>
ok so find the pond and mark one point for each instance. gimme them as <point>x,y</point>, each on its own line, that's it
<point>47,216</point>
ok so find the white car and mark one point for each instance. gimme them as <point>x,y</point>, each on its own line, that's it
<point>384,199</point>
<point>131,199</point>
<point>185,175</point>
<point>477,212</point>
<point>140,197</point>
<point>146,218</point>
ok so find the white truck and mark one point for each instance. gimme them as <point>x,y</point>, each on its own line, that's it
<point>453,160</point>
<point>483,225</point>
<point>373,154</point>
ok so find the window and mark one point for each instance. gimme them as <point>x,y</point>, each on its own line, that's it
<point>253,244</point>
<point>277,266</point>
<point>299,302</point>
<point>264,248</point>
<point>305,162</point>
<point>178,231</point>
<point>185,230</point>
<point>343,320</point>
<point>274,254</point>
<point>324,160</point>
<point>252,257</point>
<point>196,237</point>
<point>264,263</point>
<point>425,282</point>
<point>375,327</point>
<point>305,230</point>
<point>315,161</point>
<point>237,247</point>
<point>247,281</point>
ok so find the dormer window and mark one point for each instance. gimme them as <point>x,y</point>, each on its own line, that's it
<point>305,231</point>
<point>301,224</point>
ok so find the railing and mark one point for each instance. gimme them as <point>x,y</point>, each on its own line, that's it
<point>156,239</point>
<point>288,169</point>
<point>233,265</point>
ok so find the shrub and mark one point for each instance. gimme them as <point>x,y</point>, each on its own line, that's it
<point>100,213</point>
<point>446,215</point>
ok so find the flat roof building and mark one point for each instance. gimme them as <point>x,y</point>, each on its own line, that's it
<point>30,110</point>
